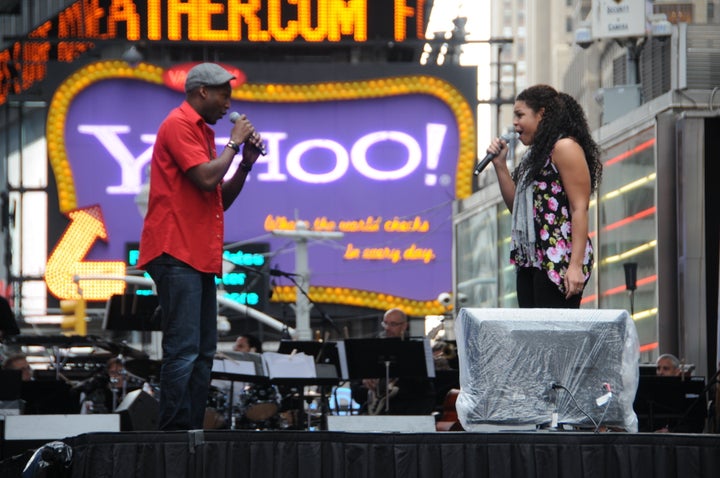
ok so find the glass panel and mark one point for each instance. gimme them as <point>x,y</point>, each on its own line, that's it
<point>33,232</point>
<point>476,260</point>
<point>590,296</point>
<point>10,137</point>
<point>506,272</point>
<point>34,298</point>
<point>15,238</point>
<point>27,177</point>
<point>627,222</point>
<point>35,164</point>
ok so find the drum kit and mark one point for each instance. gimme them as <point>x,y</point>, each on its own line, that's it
<point>262,406</point>
<point>256,407</point>
<point>105,390</point>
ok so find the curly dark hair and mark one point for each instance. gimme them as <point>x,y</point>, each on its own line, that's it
<point>253,342</point>
<point>562,117</point>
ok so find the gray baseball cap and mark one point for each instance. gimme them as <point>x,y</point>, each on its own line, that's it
<point>206,74</point>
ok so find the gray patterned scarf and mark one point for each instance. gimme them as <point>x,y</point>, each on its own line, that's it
<point>522,236</point>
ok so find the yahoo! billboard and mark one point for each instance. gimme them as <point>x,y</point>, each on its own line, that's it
<point>380,159</point>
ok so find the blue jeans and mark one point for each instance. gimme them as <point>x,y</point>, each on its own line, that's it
<point>189,323</point>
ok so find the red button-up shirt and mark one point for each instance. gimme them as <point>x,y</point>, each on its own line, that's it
<point>182,220</point>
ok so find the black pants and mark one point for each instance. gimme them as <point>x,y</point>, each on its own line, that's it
<point>536,290</point>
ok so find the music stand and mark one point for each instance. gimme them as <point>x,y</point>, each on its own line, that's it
<point>132,312</point>
<point>387,357</point>
<point>325,353</point>
<point>8,323</point>
<point>234,367</point>
<point>49,397</point>
<point>648,369</point>
<point>252,357</point>
<point>309,347</point>
<point>670,401</point>
<point>10,384</point>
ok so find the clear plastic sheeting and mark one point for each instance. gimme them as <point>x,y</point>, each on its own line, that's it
<point>547,367</point>
<point>52,459</point>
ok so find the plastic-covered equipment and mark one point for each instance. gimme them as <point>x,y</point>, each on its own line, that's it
<point>547,368</point>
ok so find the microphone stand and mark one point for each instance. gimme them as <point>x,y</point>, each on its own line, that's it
<point>324,405</point>
<point>326,318</point>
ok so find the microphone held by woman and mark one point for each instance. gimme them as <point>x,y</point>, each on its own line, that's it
<point>507,137</point>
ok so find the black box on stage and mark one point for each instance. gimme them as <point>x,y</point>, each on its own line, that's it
<point>138,412</point>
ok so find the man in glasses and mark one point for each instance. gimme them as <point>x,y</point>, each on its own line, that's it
<point>395,324</point>
<point>408,396</point>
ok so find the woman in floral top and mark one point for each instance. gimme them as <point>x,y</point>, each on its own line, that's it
<point>548,195</point>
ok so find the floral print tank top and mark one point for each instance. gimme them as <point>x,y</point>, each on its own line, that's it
<point>553,230</point>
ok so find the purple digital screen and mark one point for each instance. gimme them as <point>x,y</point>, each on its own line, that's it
<point>381,170</point>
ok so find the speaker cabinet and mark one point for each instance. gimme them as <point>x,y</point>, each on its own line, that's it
<point>138,412</point>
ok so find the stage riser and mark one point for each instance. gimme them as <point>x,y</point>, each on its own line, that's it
<point>453,455</point>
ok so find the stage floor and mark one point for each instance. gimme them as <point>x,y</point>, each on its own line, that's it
<point>286,454</point>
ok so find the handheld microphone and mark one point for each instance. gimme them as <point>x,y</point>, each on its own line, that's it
<point>234,116</point>
<point>507,137</point>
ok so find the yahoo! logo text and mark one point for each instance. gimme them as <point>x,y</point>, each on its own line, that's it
<point>285,160</point>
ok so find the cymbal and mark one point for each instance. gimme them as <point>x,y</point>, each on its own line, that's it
<point>307,395</point>
<point>144,368</point>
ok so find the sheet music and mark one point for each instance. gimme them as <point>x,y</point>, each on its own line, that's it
<point>429,362</point>
<point>299,365</point>
<point>232,366</point>
<point>250,357</point>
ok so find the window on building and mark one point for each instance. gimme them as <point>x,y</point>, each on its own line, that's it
<point>627,231</point>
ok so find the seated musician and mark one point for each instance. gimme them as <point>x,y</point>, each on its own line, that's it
<point>104,391</point>
<point>440,355</point>
<point>668,365</point>
<point>408,396</point>
<point>247,343</point>
<point>19,362</point>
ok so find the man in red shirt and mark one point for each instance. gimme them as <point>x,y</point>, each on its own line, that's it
<point>182,239</point>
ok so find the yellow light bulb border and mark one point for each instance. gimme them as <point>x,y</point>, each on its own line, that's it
<point>360,298</point>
